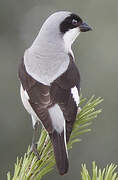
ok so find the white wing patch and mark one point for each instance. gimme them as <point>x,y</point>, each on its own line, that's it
<point>75,94</point>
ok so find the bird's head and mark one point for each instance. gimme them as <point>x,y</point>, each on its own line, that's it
<point>63,25</point>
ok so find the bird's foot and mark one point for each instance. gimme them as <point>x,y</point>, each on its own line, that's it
<point>34,140</point>
<point>34,150</point>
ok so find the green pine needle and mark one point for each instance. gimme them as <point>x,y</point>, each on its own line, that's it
<point>108,173</point>
<point>29,168</point>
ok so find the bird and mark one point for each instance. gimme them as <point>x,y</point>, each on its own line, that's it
<point>50,81</point>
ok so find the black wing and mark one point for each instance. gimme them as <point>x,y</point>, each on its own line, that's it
<point>39,96</point>
<point>61,94</point>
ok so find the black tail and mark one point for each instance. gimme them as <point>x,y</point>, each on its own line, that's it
<point>60,152</point>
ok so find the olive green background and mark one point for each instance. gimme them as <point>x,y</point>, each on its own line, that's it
<point>96,54</point>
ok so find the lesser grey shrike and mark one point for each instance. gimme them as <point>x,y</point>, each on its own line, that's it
<point>50,81</point>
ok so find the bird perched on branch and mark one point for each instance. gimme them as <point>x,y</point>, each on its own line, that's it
<point>50,81</point>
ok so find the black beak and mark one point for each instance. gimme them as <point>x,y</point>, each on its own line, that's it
<point>85,27</point>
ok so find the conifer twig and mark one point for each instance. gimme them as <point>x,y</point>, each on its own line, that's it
<point>108,173</point>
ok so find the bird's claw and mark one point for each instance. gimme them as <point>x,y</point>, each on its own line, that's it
<point>34,150</point>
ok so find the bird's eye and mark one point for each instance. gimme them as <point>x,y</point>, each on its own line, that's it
<point>74,22</point>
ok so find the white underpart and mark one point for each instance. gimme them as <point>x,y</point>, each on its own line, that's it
<point>58,120</point>
<point>75,94</point>
<point>34,120</point>
<point>69,37</point>
<point>25,98</point>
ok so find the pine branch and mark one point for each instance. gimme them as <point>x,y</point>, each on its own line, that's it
<point>108,173</point>
<point>29,168</point>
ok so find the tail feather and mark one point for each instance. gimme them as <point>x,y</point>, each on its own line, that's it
<point>60,151</point>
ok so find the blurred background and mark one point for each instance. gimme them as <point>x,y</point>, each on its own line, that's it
<point>96,54</point>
